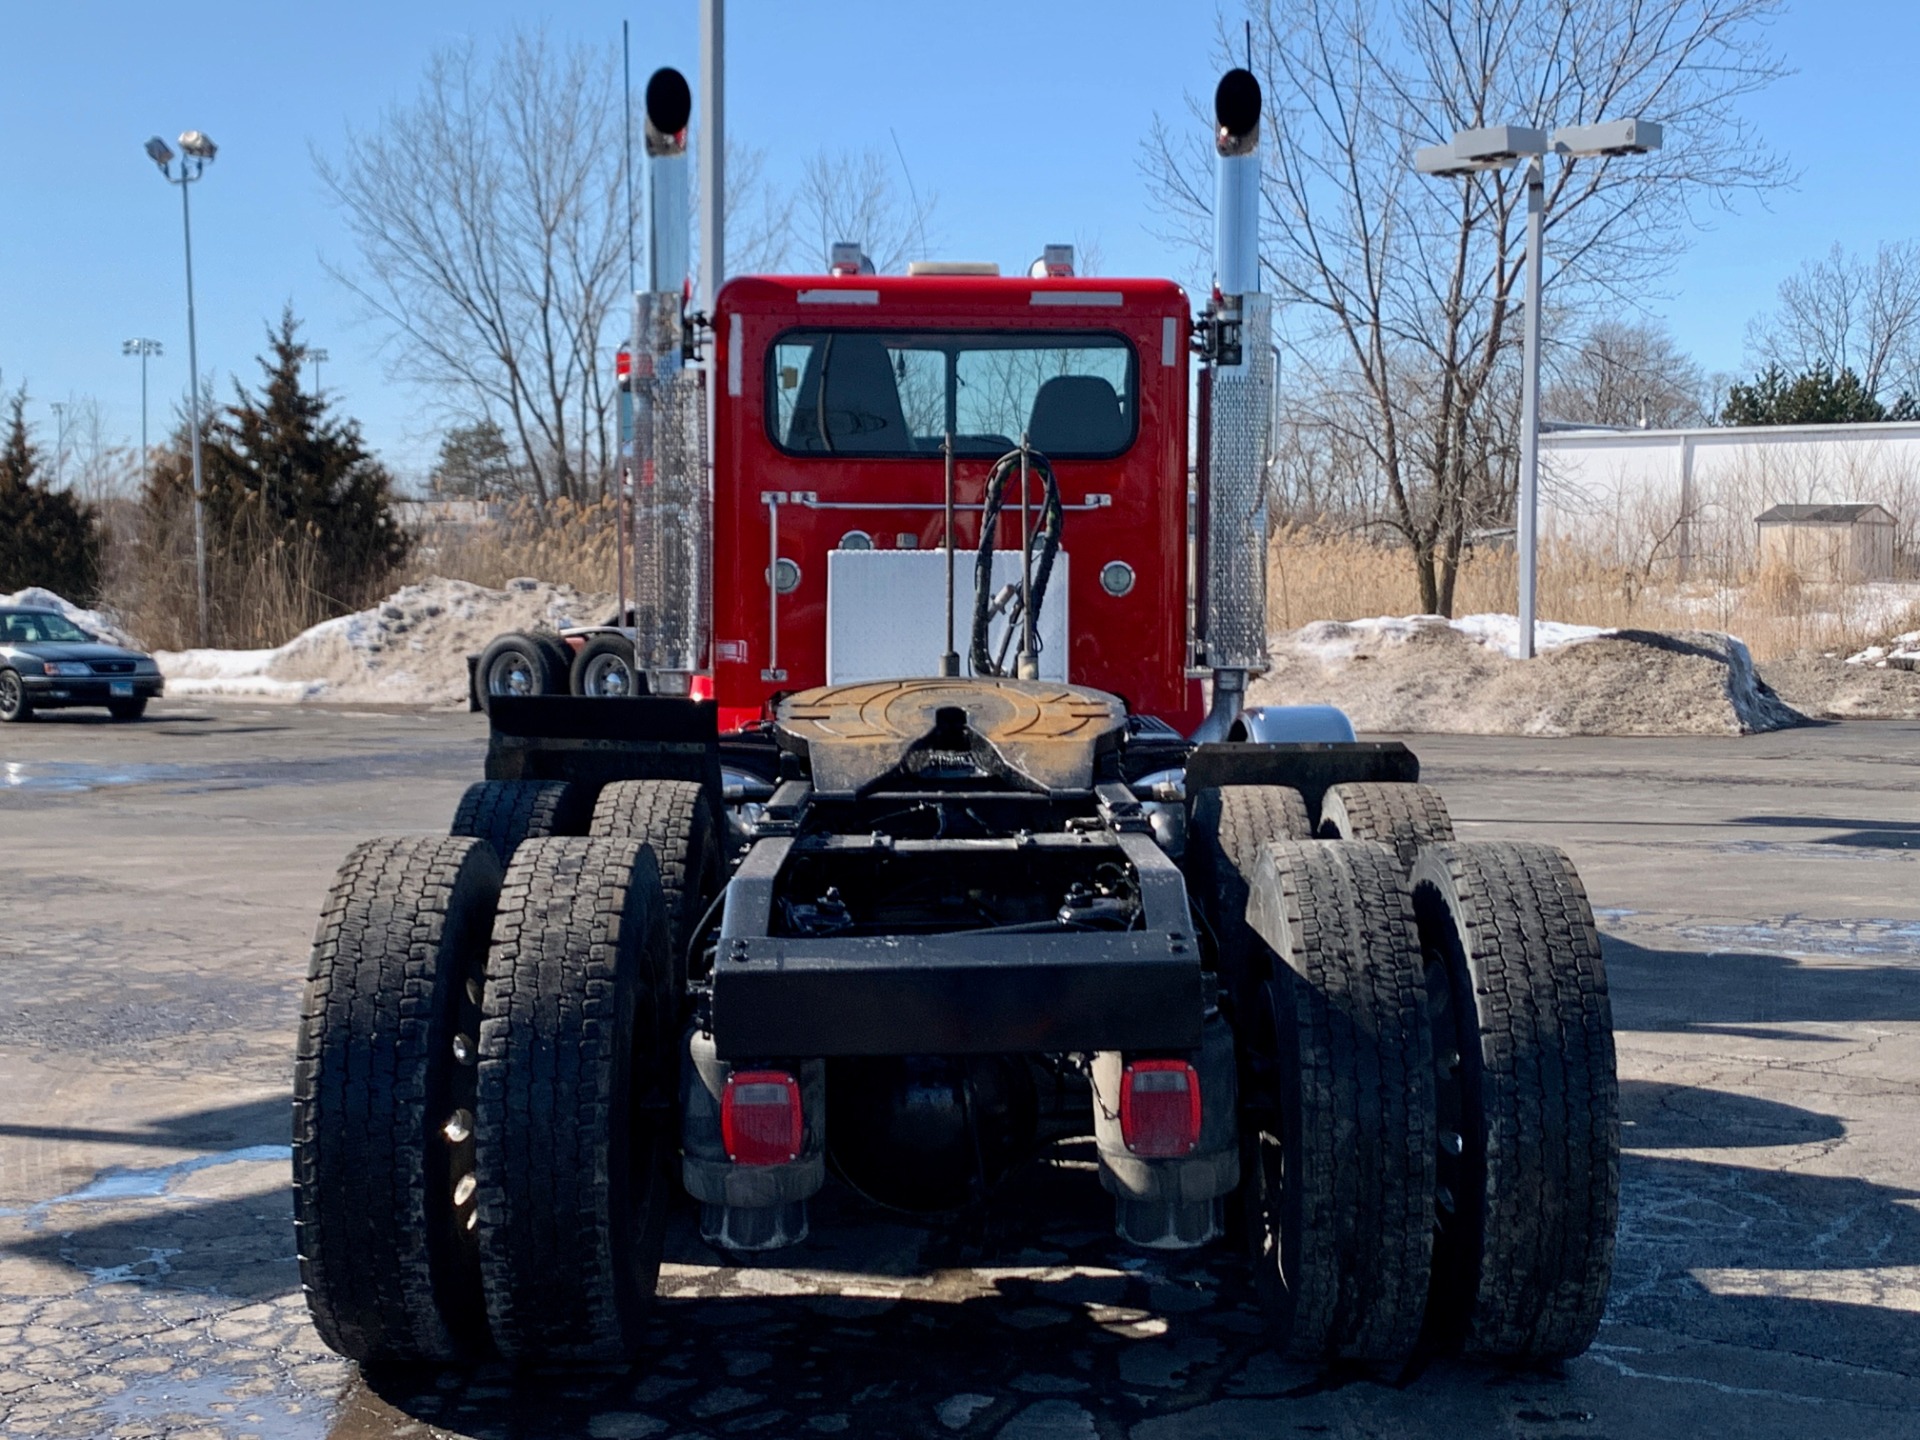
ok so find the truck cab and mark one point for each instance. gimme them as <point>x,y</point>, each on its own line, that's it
<point>834,400</point>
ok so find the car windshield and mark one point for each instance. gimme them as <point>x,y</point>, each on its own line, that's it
<point>39,627</point>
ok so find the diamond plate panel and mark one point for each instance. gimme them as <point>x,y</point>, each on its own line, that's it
<point>670,523</point>
<point>1242,411</point>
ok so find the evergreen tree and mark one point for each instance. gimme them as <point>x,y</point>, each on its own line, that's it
<point>475,464</point>
<point>47,537</point>
<point>278,469</point>
<point>1815,397</point>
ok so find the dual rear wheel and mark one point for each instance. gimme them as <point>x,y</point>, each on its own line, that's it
<point>1429,1099</point>
<point>485,1090</point>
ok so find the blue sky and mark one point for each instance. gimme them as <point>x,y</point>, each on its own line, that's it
<point>1025,115</point>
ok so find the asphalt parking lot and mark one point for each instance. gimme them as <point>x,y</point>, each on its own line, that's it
<point>159,885</point>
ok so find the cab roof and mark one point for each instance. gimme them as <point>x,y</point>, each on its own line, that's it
<point>1079,299</point>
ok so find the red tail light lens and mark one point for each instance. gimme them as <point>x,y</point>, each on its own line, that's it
<point>760,1118</point>
<point>1160,1108</point>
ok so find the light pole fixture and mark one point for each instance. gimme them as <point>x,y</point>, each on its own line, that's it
<point>198,154</point>
<point>319,358</point>
<point>1497,147</point>
<point>145,349</point>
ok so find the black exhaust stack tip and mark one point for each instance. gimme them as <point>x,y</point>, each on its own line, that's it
<point>1236,105</point>
<point>670,103</point>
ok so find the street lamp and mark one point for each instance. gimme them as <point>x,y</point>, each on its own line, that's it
<point>145,349</point>
<point>59,443</point>
<point>199,152</point>
<point>318,357</point>
<point>1496,147</point>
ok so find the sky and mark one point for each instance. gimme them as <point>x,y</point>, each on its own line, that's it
<point>1025,116</point>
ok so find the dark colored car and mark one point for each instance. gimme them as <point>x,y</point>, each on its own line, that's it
<point>48,663</point>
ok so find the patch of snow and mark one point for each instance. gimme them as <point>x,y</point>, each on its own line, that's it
<point>96,621</point>
<point>1336,640</point>
<point>410,649</point>
<point>1901,648</point>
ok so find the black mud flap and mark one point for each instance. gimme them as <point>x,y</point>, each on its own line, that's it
<point>593,740</point>
<point>1310,768</point>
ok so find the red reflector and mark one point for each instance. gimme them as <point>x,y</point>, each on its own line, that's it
<point>1160,1108</point>
<point>760,1119</point>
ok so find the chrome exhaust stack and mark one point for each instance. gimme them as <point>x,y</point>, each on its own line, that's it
<point>670,519</point>
<point>1240,410</point>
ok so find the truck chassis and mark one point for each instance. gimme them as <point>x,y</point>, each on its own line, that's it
<point>652,961</point>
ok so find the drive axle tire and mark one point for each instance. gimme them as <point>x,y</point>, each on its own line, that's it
<point>127,709</point>
<point>604,669</point>
<point>675,817</point>
<point>382,1097</point>
<point>1400,816</point>
<point>1529,1202</point>
<point>577,1117</point>
<point>1339,1108</point>
<point>521,663</point>
<point>506,812</point>
<point>1227,828</point>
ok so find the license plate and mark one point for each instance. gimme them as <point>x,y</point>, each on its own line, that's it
<point>120,687</point>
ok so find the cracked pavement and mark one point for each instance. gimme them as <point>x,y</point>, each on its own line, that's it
<point>159,884</point>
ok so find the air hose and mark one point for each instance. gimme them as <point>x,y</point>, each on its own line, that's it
<point>1044,538</point>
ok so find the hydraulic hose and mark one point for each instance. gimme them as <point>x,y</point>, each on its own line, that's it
<point>1043,538</point>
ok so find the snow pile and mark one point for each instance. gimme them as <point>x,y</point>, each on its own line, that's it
<point>95,622</point>
<point>1902,652</point>
<point>410,649</point>
<point>1425,674</point>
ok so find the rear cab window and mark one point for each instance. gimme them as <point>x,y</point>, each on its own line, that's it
<point>863,393</point>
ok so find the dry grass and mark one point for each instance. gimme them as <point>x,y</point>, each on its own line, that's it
<point>569,545</point>
<point>1316,577</point>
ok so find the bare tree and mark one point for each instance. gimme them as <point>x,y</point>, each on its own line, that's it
<point>1625,373</point>
<point>491,223</point>
<point>759,216</point>
<point>852,197</point>
<point>1845,312</point>
<point>1399,292</point>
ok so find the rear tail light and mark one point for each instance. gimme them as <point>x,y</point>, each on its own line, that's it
<point>1160,1108</point>
<point>760,1118</point>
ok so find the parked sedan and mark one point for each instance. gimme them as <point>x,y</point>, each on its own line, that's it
<point>47,663</point>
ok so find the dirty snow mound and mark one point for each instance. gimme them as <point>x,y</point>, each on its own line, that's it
<point>96,622</point>
<point>410,649</point>
<point>1425,674</point>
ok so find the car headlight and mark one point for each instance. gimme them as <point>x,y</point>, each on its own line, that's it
<point>69,667</point>
<point>146,665</point>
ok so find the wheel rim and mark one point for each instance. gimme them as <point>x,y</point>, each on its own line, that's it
<point>512,674</point>
<point>9,695</point>
<point>608,675</point>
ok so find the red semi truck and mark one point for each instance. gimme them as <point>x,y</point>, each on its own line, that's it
<point>932,793</point>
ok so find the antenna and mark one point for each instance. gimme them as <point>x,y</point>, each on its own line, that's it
<point>919,219</point>
<point>1249,47</point>
<point>626,95</point>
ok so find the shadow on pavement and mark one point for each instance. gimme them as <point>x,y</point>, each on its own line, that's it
<point>1711,991</point>
<point>253,1122</point>
<point>1030,1309</point>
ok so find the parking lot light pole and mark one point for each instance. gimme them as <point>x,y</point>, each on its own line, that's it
<point>199,152</point>
<point>143,348</point>
<point>1496,147</point>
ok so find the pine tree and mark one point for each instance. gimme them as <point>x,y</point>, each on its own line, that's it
<point>475,464</point>
<point>280,470</point>
<point>47,537</point>
<point>1817,397</point>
